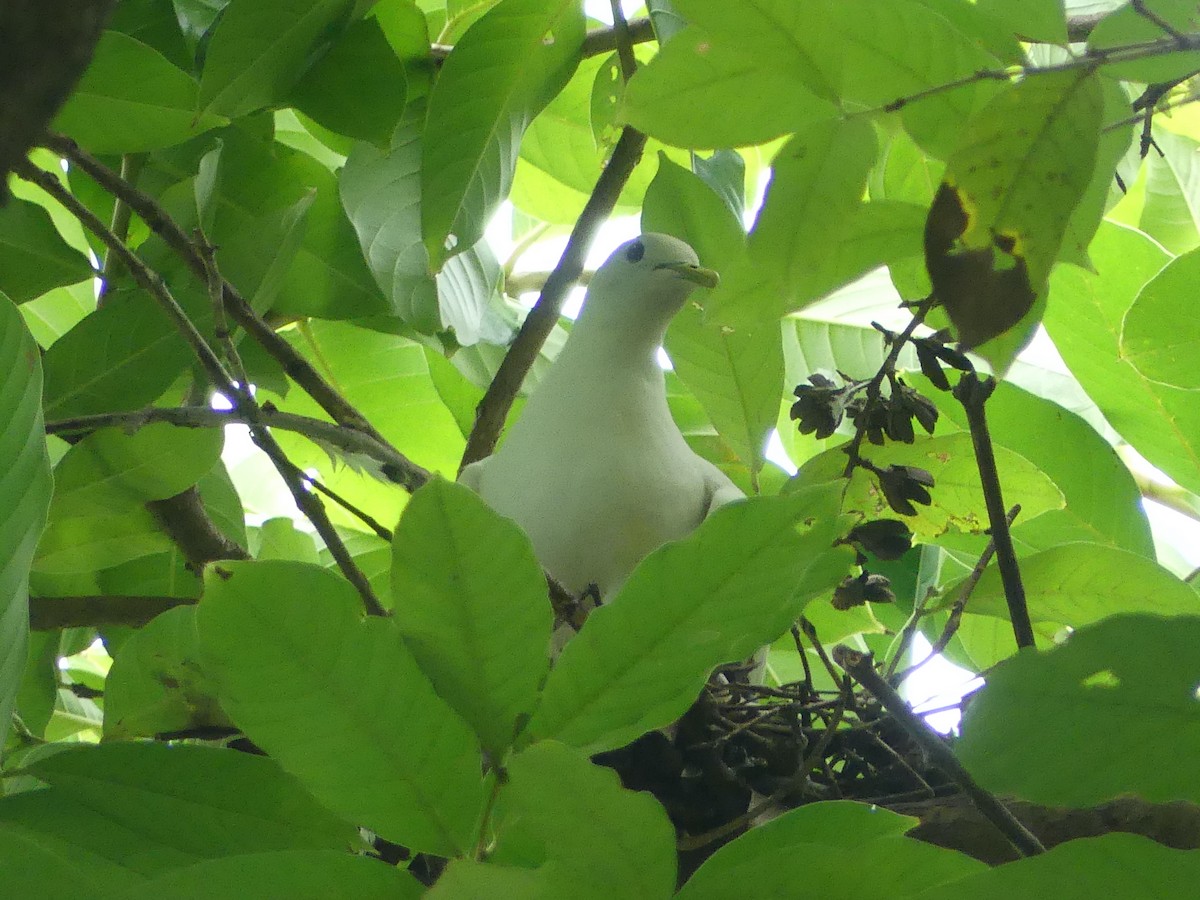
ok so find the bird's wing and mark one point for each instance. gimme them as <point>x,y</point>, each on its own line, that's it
<point>472,475</point>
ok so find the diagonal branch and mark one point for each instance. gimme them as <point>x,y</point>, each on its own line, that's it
<point>151,282</point>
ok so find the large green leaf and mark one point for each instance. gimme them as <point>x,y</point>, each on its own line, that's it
<point>502,72</point>
<point>132,99</point>
<point>258,183</point>
<point>1115,866</point>
<point>588,836</point>
<point>93,541</point>
<point>118,813</point>
<point>283,875</point>
<point>1032,20</point>
<point>1085,319</point>
<point>259,50</point>
<point>1161,336</point>
<point>998,222</point>
<point>863,54</point>
<point>1127,25</point>
<point>111,470</point>
<point>25,485</point>
<point>1171,209</point>
<point>757,100</point>
<point>735,583</point>
<point>340,702</point>
<point>1076,584</point>
<point>358,88</point>
<point>33,256</point>
<point>156,683</point>
<point>470,600</point>
<point>735,373</point>
<point>836,849</point>
<point>1103,503</point>
<point>1100,694</point>
<point>957,498</point>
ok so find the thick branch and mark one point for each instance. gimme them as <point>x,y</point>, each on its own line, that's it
<point>973,394</point>
<point>490,416</point>
<point>862,667</point>
<point>49,613</point>
<point>188,525</point>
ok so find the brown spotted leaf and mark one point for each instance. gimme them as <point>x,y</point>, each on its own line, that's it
<point>998,220</point>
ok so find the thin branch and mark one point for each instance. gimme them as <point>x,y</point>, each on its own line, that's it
<point>526,282</point>
<point>131,167</point>
<point>624,41</point>
<point>493,409</point>
<point>876,383</point>
<point>50,613</point>
<point>973,395</point>
<point>862,667</point>
<point>597,42</point>
<point>239,393</point>
<point>960,604</point>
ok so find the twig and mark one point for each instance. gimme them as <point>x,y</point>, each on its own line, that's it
<point>493,409</point>
<point>624,41</point>
<point>873,386</point>
<point>861,666</point>
<point>598,40</point>
<point>360,514</point>
<point>960,604</point>
<point>239,394</point>
<point>695,842</point>
<point>131,167</point>
<point>973,394</point>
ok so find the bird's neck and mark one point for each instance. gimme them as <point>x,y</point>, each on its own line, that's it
<point>596,365</point>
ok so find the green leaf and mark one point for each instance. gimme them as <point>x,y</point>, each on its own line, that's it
<point>470,601</point>
<point>114,470</point>
<point>122,356</point>
<point>1161,422</point>
<point>282,876</point>
<point>88,543</point>
<point>1171,213</point>
<point>735,583</point>
<point>381,192</point>
<point>340,703</point>
<point>259,50</point>
<point>736,374</point>
<point>501,74</point>
<point>836,849</point>
<point>1126,25</point>
<point>997,224</point>
<point>56,312</point>
<point>358,88</point>
<point>1100,693</point>
<point>1161,337</point>
<point>752,101</point>
<point>958,504</point>
<point>117,813</point>
<point>259,186</point>
<point>33,256</point>
<point>25,486</point>
<point>1032,20</point>
<point>589,836</point>
<point>1077,584</point>
<point>1118,866</point>
<point>156,684</point>
<point>866,55</point>
<point>279,538</point>
<point>132,99</point>
<point>1103,502</point>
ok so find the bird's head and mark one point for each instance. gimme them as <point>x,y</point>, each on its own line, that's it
<point>645,282</point>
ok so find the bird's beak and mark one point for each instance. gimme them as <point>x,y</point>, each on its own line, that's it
<point>696,274</point>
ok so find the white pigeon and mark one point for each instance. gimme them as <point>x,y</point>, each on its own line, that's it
<point>595,470</point>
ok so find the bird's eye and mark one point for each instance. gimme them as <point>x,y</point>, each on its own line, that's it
<point>635,251</point>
